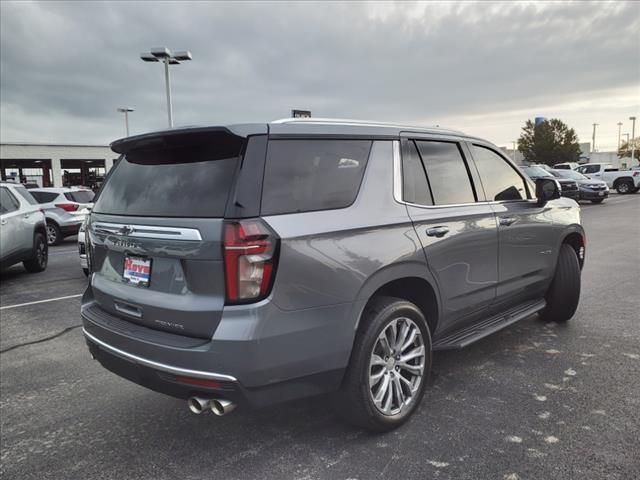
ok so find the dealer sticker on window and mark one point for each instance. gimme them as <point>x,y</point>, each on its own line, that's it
<point>137,270</point>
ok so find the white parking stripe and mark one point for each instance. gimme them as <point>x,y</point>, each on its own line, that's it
<point>40,301</point>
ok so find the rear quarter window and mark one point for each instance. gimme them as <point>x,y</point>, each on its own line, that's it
<point>81,196</point>
<point>309,175</point>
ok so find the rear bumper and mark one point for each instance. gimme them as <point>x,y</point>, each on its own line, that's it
<point>252,371</point>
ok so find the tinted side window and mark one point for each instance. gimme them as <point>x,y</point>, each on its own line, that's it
<point>415,188</point>
<point>591,169</point>
<point>8,203</point>
<point>447,171</point>
<point>81,196</point>
<point>307,175</point>
<point>499,179</point>
<point>44,197</point>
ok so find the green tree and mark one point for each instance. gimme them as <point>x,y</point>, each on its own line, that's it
<point>625,149</point>
<point>549,142</point>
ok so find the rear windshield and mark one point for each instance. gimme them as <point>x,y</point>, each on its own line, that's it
<point>307,175</point>
<point>81,196</point>
<point>191,178</point>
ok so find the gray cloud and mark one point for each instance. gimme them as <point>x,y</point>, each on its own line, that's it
<point>65,67</point>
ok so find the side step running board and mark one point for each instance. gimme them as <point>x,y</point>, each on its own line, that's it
<point>474,332</point>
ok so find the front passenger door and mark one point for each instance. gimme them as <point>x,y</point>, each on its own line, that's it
<point>526,252</point>
<point>458,234</point>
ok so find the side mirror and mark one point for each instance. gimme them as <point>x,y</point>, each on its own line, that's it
<point>547,189</point>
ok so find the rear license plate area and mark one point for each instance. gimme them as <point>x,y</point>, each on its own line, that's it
<point>137,271</point>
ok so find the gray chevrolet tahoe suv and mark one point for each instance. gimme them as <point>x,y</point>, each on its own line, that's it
<point>255,264</point>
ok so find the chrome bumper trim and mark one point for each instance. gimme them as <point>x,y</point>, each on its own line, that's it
<point>160,366</point>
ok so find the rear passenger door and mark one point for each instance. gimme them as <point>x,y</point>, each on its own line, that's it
<point>457,229</point>
<point>9,223</point>
<point>526,239</point>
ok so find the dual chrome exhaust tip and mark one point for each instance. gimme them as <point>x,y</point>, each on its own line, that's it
<point>218,406</point>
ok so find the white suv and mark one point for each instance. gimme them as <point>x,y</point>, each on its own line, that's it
<point>22,232</point>
<point>65,209</point>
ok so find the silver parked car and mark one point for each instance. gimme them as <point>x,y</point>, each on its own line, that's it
<point>22,229</point>
<point>65,209</point>
<point>254,264</point>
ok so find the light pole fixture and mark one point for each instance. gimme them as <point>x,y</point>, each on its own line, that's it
<point>619,130</point>
<point>633,136</point>
<point>126,111</point>
<point>164,55</point>
<point>593,137</point>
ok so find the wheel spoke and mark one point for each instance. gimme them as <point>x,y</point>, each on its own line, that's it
<point>407,383</point>
<point>410,339</point>
<point>399,394</point>
<point>379,395</point>
<point>389,396</point>
<point>393,331</point>
<point>374,378</point>
<point>415,353</point>
<point>402,335</point>
<point>377,360</point>
<point>384,343</point>
<point>414,369</point>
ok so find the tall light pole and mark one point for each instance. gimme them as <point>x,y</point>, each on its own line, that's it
<point>126,111</point>
<point>593,137</point>
<point>633,136</point>
<point>165,55</point>
<point>619,130</point>
<point>514,150</point>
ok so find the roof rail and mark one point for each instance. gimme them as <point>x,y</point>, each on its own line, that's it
<point>349,121</point>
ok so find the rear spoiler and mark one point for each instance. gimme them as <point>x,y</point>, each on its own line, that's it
<point>228,138</point>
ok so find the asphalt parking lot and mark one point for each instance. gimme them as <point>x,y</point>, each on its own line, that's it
<point>534,401</point>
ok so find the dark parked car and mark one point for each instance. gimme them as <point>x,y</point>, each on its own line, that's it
<point>255,264</point>
<point>594,190</point>
<point>569,187</point>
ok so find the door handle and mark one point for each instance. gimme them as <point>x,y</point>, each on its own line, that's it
<point>437,231</point>
<point>507,221</point>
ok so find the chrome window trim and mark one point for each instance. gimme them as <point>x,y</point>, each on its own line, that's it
<point>398,194</point>
<point>147,231</point>
<point>160,366</point>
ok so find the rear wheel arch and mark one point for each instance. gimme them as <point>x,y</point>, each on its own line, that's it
<point>416,290</point>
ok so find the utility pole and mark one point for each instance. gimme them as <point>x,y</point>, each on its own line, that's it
<point>633,136</point>
<point>593,137</point>
<point>619,130</point>
<point>514,150</point>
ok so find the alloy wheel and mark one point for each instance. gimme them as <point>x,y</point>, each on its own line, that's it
<point>396,368</point>
<point>42,254</point>
<point>52,235</point>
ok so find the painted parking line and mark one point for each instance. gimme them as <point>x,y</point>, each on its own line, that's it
<point>40,301</point>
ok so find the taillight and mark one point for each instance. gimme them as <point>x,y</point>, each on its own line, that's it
<point>250,249</point>
<point>636,173</point>
<point>68,207</point>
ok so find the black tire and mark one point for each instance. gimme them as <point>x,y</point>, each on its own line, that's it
<point>354,400</point>
<point>54,234</point>
<point>85,271</point>
<point>625,186</point>
<point>597,200</point>
<point>38,262</point>
<point>563,295</point>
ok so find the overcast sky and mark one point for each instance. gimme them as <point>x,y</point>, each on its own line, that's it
<point>483,68</point>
